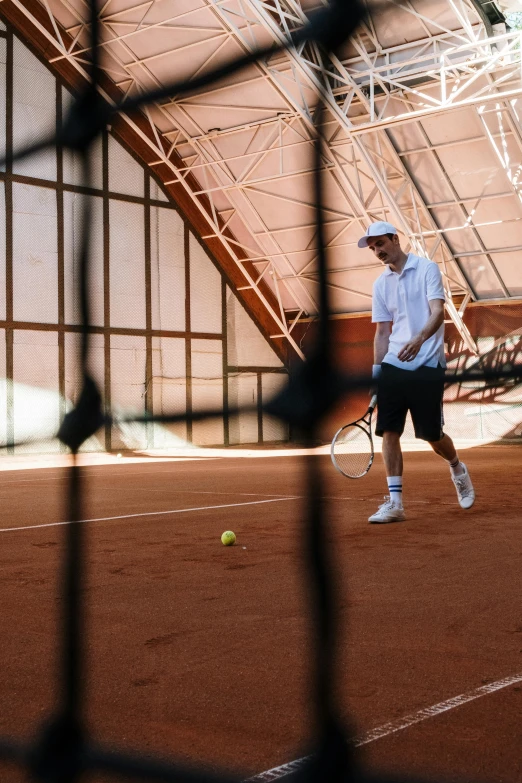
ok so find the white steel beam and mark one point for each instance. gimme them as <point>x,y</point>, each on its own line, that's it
<point>273,18</point>
<point>210,215</point>
<point>375,90</point>
<point>474,74</point>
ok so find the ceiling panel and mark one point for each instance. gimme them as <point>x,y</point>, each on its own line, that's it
<point>247,141</point>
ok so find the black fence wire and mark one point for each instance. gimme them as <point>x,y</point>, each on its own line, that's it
<point>63,753</point>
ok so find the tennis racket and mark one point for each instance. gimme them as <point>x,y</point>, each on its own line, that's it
<point>352,446</point>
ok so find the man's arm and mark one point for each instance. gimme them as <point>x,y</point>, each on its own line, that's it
<point>409,351</point>
<point>381,341</point>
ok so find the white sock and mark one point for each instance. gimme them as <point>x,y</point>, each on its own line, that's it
<point>395,489</point>
<point>455,466</point>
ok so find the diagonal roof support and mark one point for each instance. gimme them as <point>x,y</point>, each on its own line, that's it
<point>34,23</point>
<point>274,16</point>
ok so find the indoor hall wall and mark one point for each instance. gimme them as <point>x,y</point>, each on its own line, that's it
<point>352,342</point>
<point>169,332</point>
<point>254,376</point>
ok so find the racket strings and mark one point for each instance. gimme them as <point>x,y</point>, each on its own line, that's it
<point>352,451</point>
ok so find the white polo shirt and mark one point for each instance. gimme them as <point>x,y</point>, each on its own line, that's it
<point>404,300</point>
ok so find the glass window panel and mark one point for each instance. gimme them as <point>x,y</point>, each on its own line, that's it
<point>36,408</point>
<point>242,391</point>
<point>127,264</point>
<point>34,112</point>
<point>2,98</point>
<point>72,171</point>
<point>128,387</point>
<point>167,270</point>
<point>4,434</point>
<point>207,389</point>
<point>128,372</point>
<point>169,390</point>
<point>72,167</point>
<point>156,192</point>
<point>73,378</point>
<point>205,291</point>
<point>246,346</point>
<point>125,174</point>
<point>273,429</point>
<point>35,254</point>
<point>73,207</point>
<point>2,251</point>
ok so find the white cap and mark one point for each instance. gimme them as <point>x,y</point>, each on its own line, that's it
<point>376,230</point>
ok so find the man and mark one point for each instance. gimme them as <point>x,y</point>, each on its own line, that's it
<point>408,308</point>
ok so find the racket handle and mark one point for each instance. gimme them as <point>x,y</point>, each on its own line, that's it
<point>373,403</point>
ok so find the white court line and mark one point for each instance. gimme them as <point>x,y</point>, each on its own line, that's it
<point>147,514</point>
<point>345,498</point>
<point>395,725</point>
<point>204,492</point>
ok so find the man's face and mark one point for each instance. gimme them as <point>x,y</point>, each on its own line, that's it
<point>387,250</point>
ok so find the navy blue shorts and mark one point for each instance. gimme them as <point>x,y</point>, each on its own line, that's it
<point>418,391</point>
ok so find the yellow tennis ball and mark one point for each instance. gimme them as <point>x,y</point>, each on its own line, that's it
<point>228,538</point>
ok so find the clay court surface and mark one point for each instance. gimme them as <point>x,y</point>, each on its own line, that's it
<point>201,652</point>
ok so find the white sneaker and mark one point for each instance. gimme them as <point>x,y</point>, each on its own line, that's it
<point>388,512</point>
<point>464,487</point>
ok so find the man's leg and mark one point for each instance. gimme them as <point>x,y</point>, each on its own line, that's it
<point>392,457</point>
<point>445,448</point>
<point>392,408</point>
<point>427,393</point>
<point>392,510</point>
<point>392,453</point>
<point>459,472</point>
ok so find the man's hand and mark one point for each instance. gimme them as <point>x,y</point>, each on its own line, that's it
<point>409,351</point>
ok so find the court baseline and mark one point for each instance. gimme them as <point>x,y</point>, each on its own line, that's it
<point>276,773</point>
<point>277,499</point>
<point>146,514</point>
